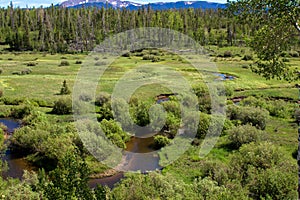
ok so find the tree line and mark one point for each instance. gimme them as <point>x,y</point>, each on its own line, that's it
<point>57,29</point>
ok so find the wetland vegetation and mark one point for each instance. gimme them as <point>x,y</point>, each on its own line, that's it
<point>254,157</point>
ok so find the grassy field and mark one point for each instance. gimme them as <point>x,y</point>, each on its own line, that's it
<point>46,78</point>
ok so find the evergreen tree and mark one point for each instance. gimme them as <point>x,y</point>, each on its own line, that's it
<point>65,89</point>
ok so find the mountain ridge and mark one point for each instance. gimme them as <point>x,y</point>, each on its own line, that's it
<point>134,6</point>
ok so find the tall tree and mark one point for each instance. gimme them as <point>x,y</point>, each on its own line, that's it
<point>277,26</point>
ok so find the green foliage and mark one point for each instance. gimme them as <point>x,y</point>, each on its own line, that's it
<point>105,112</point>
<point>64,63</point>
<point>200,90</point>
<point>31,64</point>
<point>21,111</point>
<point>45,141</point>
<point>209,189</point>
<point>172,107</point>
<point>215,170</point>
<point>263,168</point>
<point>5,111</point>
<point>203,125</point>
<point>100,192</point>
<point>141,114</point>
<point>172,125</point>
<point>122,115</point>
<point>280,108</point>
<point>274,183</point>
<point>35,118</point>
<point>247,57</point>
<point>211,124</point>
<point>65,89</point>
<point>102,98</point>
<point>68,181</point>
<point>160,141</point>
<point>262,156</point>
<point>62,106</point>
<point>114,132</point>
<point>294,54</point>
<point>12,101</point>
<point>16,190</point>
<point>227,54</point>
<point>269,41</point>
<point>249,115</point>
<point>243,135</point>
<point>151,186</point>
<point>277,108</point>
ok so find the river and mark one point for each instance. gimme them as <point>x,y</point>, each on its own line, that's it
<point>138,157</point>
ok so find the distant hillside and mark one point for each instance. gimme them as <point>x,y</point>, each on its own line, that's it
<point>134,6</point>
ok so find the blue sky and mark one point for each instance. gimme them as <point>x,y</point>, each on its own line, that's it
<point>37,3</point>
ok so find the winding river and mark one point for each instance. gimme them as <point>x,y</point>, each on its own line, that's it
<point>17,163</point>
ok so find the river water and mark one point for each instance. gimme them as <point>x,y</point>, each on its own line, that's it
<point>138,157</point>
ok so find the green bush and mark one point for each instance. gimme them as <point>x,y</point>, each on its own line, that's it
<point>280,108</point>
<point>203,125</point>
<point>228,91</point>
<point>126,55</point>
<point>247,57</point>
<point>205,104</point>
<point>294,54</point>
<point>227,54</point>
<point>31,64</point>
<point>152,186</point>
<point>64,63</point>
<point>274,183</point>
<point>262,155</point>
<point>26,71</point>
<point>141,114</point>
<point>12,101</point>
<point>172,107</point>
<point>243,135</point>
<point>172,125</point>
<point>5,111</point>
<point>249,115</point>
<point>148,57</point>
<point>285,60</point>
<point>277,108</point>
<point>16,73</point>
<point>114,132</point>
<point>200,91</point>
<point>245,66</point>
<point>19,112</point>
<point>102,98</point>
<point>105,112</point>
<point>265,170</point>
<point>62,106</point>
<point>155,59</point>
<point>1,70</point>
<point>253,101</point>
<point>160,141</point>
<point>3,128</point>
<point>65,89</point>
